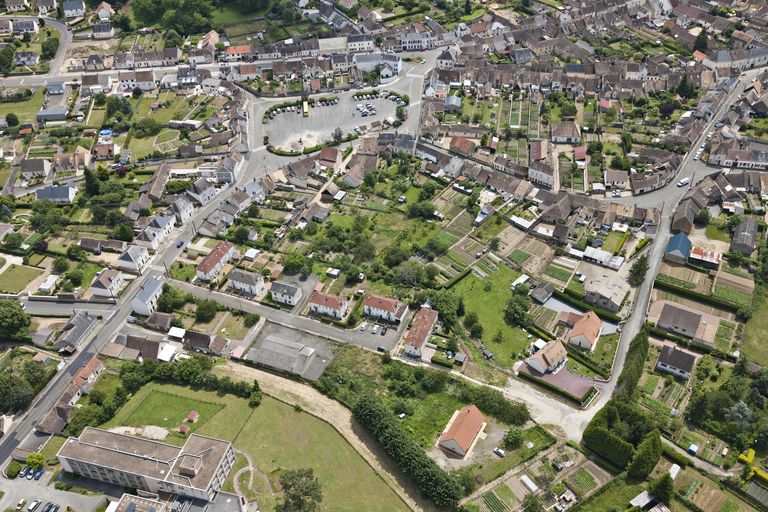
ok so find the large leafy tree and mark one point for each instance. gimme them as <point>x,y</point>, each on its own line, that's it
<point>14,321</point>
<point>302,491</point>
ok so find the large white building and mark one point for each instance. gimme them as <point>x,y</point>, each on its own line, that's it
<point>145,301</point>
<point>384,308</point>
<point>285,293</point>
<point>196,470</point>
<point>133,259</point>
<point>211,265</point>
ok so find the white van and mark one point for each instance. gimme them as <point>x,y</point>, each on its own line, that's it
<point>683,182</point>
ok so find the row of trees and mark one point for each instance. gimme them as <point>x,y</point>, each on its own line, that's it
<point>433,482</point>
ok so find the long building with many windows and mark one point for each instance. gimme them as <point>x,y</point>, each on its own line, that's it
<point>197,470</point>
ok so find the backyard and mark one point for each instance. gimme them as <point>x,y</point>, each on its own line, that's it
<point>16,277</point>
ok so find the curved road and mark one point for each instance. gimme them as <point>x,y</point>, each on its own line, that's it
<point>65,40</point>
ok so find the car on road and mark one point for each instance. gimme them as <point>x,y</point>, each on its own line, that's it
<point>374,329</point>
<point>178,245</point>
<point>683,182</point>
<point>39,473</point>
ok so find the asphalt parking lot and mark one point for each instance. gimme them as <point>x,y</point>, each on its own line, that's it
<point>287,129</point>
<point>40,490</point>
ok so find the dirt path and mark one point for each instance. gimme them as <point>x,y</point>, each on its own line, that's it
<point>338,416</point>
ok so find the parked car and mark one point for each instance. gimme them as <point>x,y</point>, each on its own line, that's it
<point>375,329</point>
<point>23,471</point>
<point>383,331</point>
<point>21,503</point>
<point>381,349</point>
<point>39,473</point>
<point>498,451</point>
<point>33,506</point>
<point>363,326</point>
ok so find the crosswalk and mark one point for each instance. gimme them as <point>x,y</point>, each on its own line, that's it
<point>156,268</point>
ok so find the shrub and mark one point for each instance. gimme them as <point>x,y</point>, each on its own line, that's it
<point>13,469</point>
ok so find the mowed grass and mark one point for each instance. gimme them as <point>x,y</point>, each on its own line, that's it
<point>277,438</point>
<point>17,277</point>
<point>755,346</point>
<point>615,495</point>
<point>27,109</point>
<point>489,305</point>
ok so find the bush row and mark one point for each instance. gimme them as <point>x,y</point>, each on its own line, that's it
<point>433,482</point>
<point>702,297</point>
<point>586,360</point>
<point>633,365</point>
<point>558,391</point>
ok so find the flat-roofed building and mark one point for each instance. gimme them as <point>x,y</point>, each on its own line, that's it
<point>197,470</point>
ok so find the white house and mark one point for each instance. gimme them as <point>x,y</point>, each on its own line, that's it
<point>328,305</point>
<point>133,259</point>
<point>46,6</point>
<point>420,331</point>
<point>549,358</point>
<point>16,5</point>
<point>74,8</point>
<point>107,283</point>
<point>104,11</point>
<point>246,282</point>
<point>675,361</point>
<point>584,330</point>
<point>285,293</point>
<point>384,308</point>
<point>145,301</point>
<point>63,194</point>
<point>212,264</point>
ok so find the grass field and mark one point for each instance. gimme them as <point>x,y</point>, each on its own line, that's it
<point>17,277</point>
<point>488,297</point>
<point>26,110</point>
<point>614,496</point>
<point>755,347</point>
<point>519,256</point>
<point>183,271</point>
<point>233,328</point>
<point>612,241</point>
<point>560,273</point>
<point>277,437</point>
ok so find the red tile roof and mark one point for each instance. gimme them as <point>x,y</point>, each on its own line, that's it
<point>421,327</point>
<point>234,50</point>
<point>465,427</point>
<point>214,256</point>
<point>329,301</point>
<point>383,303</point>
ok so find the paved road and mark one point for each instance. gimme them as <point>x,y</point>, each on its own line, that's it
<point>45,308</point>
<point>311,326</point>
<point>65,39</point>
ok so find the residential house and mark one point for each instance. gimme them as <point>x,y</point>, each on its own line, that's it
<point>133,259</point>
<point>105,151</point>
<point>249,283</point>
<point>679,320</point>
<point>104,11</point>
<point>35,168</point>
<point>74,332</point>
<point>745,237</point>
<point>145,301</point>
<point>182,209</point>
<point>6,26</point>
<point>16,5</point>
<point>384,308</point>
<point>237,52</point>
<point>678,249</point>
<point>606,293</point>
<point>550,358</point>
<point>103,30</point>
<point>330,158</point>
<point>705,258</point>
<point>211,265</point>
<point>25,26</point>
<point>285,293</point>
<point>74,8</point>
<point>446,59</point>
<point>566,132</point>
<point>541,174</point>
<point>675,361</point>
<point>462,430</point>
<point>462,146</point>
<point>328,305</point>
<point>107,283</point>
<point>201,192</point>
<point>61,194</point>
<point>204,342</point>
<point>130,80</point>
<point>46,6</point>
<point>421,329</point>
<point>78,160</point>
<point>584,330</point>
<point>360,43</point>
<point>27,58</point>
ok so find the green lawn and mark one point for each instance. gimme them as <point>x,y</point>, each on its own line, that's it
<point>489,306</point>
<point>183,271</point>
<point>612,241</point>
<point>560,273</point>
<point>755,347</point>
<point>233,328</point>
<point>17,277</point>
<point>519,256</point>
<point>277,437</point>
<point>614,496</point>
<point>606,348</point>
<point>26,110</point>
<point>714,232</point>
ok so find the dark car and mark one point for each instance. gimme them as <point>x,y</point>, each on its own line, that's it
<point>178,245</point>
<point>39,473</point>
<point>383,331</point>
<point>381,349</point>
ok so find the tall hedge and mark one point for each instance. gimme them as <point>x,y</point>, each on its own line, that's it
<point>646,456</point>
<point>608,445</point>
<point>443,489</point>
<point>633,366</point>
<point>492,402</point>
